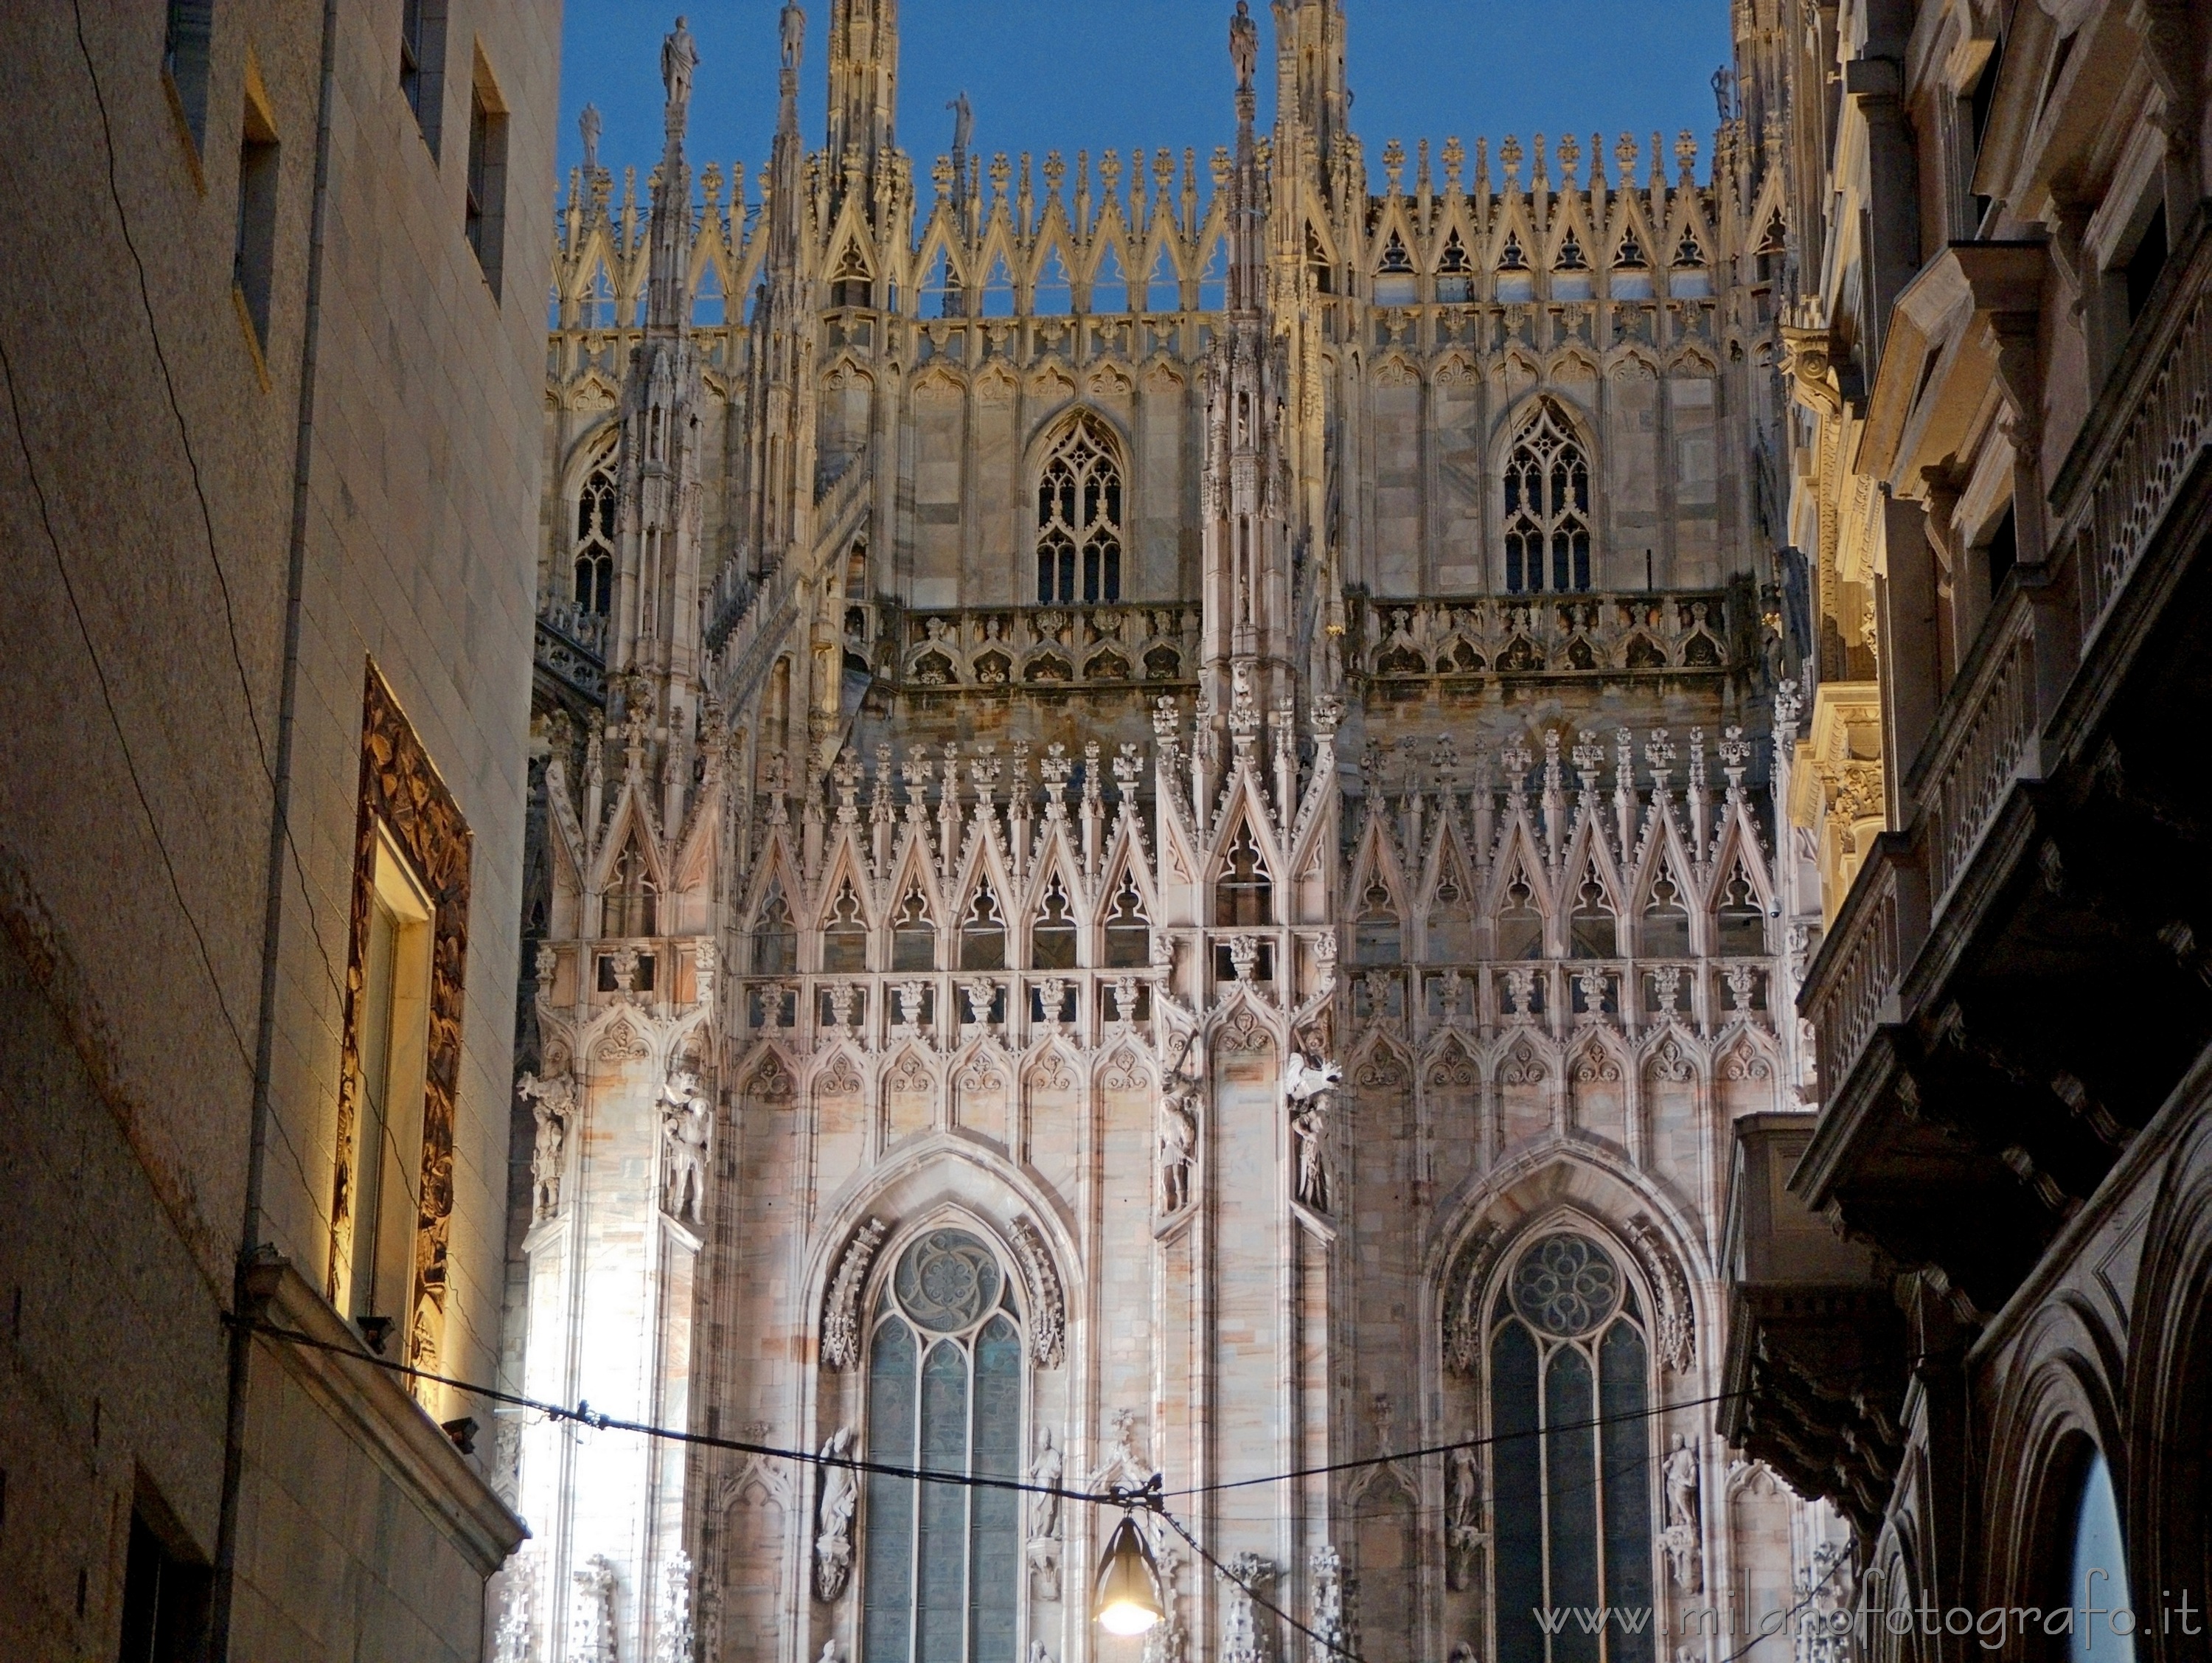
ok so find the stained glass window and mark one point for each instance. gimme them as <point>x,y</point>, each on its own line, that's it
<point>941,1567</point>
<point>1569,1386</point>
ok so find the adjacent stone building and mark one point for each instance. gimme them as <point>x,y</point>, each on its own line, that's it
<point>270,352</point>
<point>1996,1362</point>
<point>1158,851</point>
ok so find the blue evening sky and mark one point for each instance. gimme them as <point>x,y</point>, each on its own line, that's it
<point>1097,75</point>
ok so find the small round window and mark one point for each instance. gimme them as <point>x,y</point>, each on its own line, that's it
<point>946,1281</point>
<point>1565,1286</point>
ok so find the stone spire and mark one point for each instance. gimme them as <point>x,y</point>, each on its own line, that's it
<point>668,293</point>
<point>863,87</point>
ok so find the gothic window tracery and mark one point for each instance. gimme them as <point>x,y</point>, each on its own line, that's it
<point>941,1573</point>
<point>983,932</point>
<point>1245,894</point>
<point>1665,922</point>
<point>1051,938</point>
<point>1520,926</point>
<point>1548,505</point>
<point>1128,928</point>
<point>1595,933</point>
<point>1079,542</point>
<point>633,898</point>
<point>1455,273</point>
<point>1742,919</point>
<point>775,939</point>
<point>913,933</point>
<point>1568,1387</point>
<point>845,937</point>
<point>594,587</point>
<point>1377,938</point>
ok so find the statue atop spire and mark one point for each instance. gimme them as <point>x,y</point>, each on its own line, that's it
<point>588,126</point>
<point>794,35</point>
<point>679,59</point>
<point>1244,45</point>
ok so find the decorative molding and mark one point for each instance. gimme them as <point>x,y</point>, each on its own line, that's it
<point>401,794</point>
<point>841,1314</point>
<point>1048,1299</point>
<point>1677,1322</point>
<point>1462,1296</point>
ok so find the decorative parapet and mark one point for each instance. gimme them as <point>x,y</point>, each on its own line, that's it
<point>1852,986</point>
<point>1674,632</point>
<point>571,648</point>
<point>2139,446</point>
<point>1046,646</point>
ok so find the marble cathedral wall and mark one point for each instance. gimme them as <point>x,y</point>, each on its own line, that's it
<point>1215,803</point>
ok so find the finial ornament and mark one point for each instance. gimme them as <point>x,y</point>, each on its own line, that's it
<point>679,60</point>
<point>1244,45</point>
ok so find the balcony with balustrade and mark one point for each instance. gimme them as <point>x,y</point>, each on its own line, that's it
<point>2020,977</point>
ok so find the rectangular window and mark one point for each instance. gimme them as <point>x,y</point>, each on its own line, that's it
<point>184,51</point>
<point>487,210</point>
<point>2145,265</point>
<point>165,1592</point>
<point>393,1025</point>
<point>422,64</point>
<point>254,258</point>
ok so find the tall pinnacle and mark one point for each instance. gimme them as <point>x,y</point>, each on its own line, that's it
<point>1247,252</point>
<point>667,308</point>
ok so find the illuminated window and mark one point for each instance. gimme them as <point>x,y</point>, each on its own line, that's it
<point>392,1025</point>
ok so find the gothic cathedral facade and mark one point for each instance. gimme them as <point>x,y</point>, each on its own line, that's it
<point>1157,852</point>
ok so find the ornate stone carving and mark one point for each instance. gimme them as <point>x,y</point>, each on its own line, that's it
<point>1335,1618</point>
<point>1681,1539</point>
<point>840,1312</point>
<point>674,1638</point>
<point>687,1119</point>
<point>833,1527</point>
<point>1463,1528</point>
<point>1463,1320</point>
<point>511,1638</point>
<point>402,797</point>
<point>1242,1638</point>
<point>1044,1535</point>
<point>553,1102</point>
<point>1048,1302</point>
<point>1676,1324</point>
<point>592,1612</point>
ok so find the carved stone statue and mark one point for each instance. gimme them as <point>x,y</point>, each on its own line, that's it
<point>1244,44</point>
<point>794,34</point>
<point>679,60</point>
<point>1311,1088</point>
<point>686,1114</point>
<point>833,1535</point>
<point>588,127</point>
<point>1463,1531</point>
<point>1679,1471</point>
<point>674,1640</point>
<point>553,1102</point>
<point>1045,1473</point>
<point>963,122</point>
<point>1178,1138</point>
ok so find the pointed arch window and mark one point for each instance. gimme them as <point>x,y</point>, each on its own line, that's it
<point>633,898</point>
<point>983,932</point>
<point>1051,938</point>
<point>1079,540</point>
<point>775,939</point>
<point>1396,284</point>
<point>852,284</point>
<point>1376,935</point>
<point>941,1570</point>
<point>1742,920</point>
<point>1245,893</point>
<point>1128,928</point>
<point>1571,1481</point>
<point>1317,263</point>
<point>1665,922</point>
<point>913,933</point>
<point>594,586</point>
<point>1595,935</point>
<point>2096,1572</point>
<point>845,936</point>
<point>1455,273</point>
<point>1451,923</point>
<point>1520,925</point>
<point>1548,505</point>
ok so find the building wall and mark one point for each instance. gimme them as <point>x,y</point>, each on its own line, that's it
<point>149,1002</point>
<point>869,702</point>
